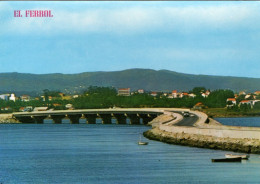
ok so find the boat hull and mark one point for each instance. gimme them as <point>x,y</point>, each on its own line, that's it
<point>227,159</point>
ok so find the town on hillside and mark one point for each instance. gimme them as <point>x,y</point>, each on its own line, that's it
<point>109,97</point>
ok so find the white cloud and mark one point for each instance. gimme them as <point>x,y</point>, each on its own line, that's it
<point>138,19</point>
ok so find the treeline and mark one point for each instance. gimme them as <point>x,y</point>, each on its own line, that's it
<point>107,97</point>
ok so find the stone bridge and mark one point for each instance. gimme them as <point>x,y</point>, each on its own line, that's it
<point>106,115</point>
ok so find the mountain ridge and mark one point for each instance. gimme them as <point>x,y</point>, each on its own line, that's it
<point>147,79</point>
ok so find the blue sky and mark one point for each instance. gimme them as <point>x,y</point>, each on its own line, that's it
<point>212,38</point>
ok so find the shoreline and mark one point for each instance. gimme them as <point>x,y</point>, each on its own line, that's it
<point>202,141</point>
<point>206,133</point>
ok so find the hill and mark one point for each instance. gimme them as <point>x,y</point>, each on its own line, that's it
<point>152,80</point>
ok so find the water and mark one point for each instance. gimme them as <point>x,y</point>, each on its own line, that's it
<point>82,153</point>
<point>245,121</point>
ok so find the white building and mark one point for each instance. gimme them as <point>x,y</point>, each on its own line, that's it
<point>4,96</point>
<point>174,93</point>
<point>12,97</point>
<point>124,91</point>
<point>141,91</point>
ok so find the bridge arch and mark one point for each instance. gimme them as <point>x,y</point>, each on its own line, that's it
<point>121,116</point>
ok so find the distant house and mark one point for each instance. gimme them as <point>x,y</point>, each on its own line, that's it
<point>12,97</point>
<point>21,109</point>
<point>25,98</point>
<point>255,101</point>
<point>180,95</point>
<point>233,100</point>
<point>153,93</point>
<point>257,92</point>
<point>123,92</point>
<point>170,96</point>
<point>247,102</point>
<point>184,94</point>
<point>192,95</point>
<point>141,91</point>
<point>198,106</point>
<point>5,96</point>
<point>6,108</point>
<point>247,96</point>
<point>206,94</point>
<point>43,98</point>
<point>25,109</point>
<point>56,105</point>
<point>40,109</point>
<point>174,94</point>
<point>252,96</point>
<point>69,106</point>
<point>165,94</point>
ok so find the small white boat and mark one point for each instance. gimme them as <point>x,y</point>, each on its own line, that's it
<point>140,142</point>
<point>237,156</point>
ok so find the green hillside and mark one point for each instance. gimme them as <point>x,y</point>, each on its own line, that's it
<point>162,80</point>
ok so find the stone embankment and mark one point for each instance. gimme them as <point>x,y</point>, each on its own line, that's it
<point>7,118</point>
<point>206,133</point>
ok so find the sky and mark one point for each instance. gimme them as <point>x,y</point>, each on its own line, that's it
<point>211,38</point>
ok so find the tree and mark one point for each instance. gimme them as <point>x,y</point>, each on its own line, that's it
<point>198,90</point>
<point>229,103</point>
<point>46,95</point>
<point>218,98</point>
<point>257,105</point>
<point>245,107</point>
<point>240,98</point>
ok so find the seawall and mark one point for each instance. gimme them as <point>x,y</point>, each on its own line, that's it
<point>206,133</point>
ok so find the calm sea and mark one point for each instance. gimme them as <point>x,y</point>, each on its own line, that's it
<point>246,121</point>
<point>109,154</point>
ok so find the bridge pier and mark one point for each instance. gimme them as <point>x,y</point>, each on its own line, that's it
<point>134,119</point>
<point>57,119</point>
<point>91,118</point>
<point>106,118</point>
<point>120,118</point>
<point>74,119</point>
<point>39,119</point>
<point>145,118</point>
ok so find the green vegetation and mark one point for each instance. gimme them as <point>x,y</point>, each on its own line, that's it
<point>106,97</point>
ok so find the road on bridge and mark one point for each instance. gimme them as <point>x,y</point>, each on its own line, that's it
<point>188,121</point>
